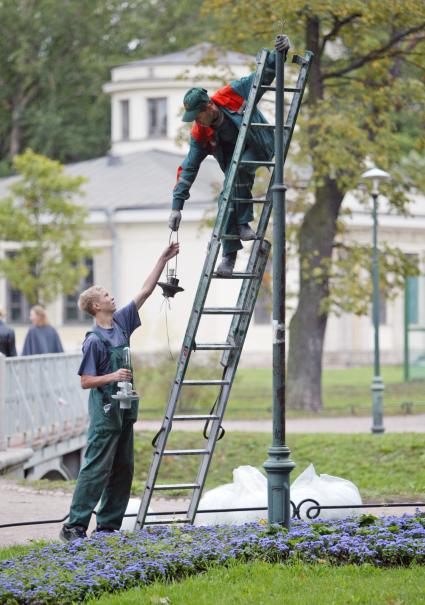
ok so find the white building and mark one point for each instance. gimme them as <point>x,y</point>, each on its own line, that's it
<point>129,194</point>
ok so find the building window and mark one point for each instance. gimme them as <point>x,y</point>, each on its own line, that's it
<point>157,117</point>
<point>71,312</point>
<point>18,308</point>
<point>125,119</point>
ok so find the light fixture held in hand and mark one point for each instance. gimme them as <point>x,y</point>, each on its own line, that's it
<point>126,393</point>
<point>171,286</point>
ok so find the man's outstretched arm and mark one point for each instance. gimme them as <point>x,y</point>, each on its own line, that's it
<point>148,287</point>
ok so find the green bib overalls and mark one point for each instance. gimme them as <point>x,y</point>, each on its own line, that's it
<point>107,470</point>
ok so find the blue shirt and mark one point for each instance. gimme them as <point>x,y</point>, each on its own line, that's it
<point>41,340</point>
<point>95,354</point>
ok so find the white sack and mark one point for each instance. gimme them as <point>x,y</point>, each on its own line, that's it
<point>248,490</point>
<point>327,491</point>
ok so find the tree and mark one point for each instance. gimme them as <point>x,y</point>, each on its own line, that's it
<point>364,82</point>
<point>41,217</point>
<point>55,57</point>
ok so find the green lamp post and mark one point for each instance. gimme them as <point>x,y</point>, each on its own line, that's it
<point>279,465</point>
<point>376,176</point>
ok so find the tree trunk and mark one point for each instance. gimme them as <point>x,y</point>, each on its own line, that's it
<point>15,133</point>
<point>308,325</point>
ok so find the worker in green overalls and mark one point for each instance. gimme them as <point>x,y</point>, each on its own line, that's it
<point>107,470</point>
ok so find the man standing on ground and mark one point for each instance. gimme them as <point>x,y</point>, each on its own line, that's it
<point>7,338</point>
<point>217,122</point>
<point>107,471</point>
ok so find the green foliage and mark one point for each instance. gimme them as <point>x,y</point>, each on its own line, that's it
<point>364,102</point>
<point>55,57</point>
<point>46,225</point>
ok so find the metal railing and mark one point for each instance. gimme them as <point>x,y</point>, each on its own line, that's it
<point>312,511</point>
<point>41,400</point>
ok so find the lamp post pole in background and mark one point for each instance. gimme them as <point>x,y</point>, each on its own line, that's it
<point>279,466</point>
<point>376,175</point>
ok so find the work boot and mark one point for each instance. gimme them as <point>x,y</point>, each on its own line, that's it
<point>69,534</point>
<point>245,233</point>
<point>225,268</point>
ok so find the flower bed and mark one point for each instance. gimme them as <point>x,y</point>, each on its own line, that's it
<point>59,574</point>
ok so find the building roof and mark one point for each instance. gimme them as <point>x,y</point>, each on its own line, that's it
<point>143,179</point>
<point>192,56</point>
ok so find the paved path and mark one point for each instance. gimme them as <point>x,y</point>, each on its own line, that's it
<point>21,503</point>
<point>348,424</point>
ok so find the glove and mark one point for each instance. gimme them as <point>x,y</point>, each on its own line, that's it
<point>174,220</point>
<point>282,44</point>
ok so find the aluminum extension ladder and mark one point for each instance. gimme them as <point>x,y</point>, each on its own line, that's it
<point>241,314</point>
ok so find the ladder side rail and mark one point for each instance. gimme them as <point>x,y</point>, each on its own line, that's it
<point>295,105</point>
<point>252,292</point>
<point>239,148</point>
<point>291,119</point>
<point>183,362</point>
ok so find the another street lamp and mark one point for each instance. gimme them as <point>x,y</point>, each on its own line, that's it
<point>376,175</point>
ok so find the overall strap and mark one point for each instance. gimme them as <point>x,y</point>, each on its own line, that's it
<point>104,340</point>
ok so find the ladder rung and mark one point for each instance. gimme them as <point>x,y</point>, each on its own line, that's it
<point>235,237</point>
<point>172,486</point>
<point>247,200</point>
<point>267,125</point>
<point>225,311</point>
<point>256,163</point>
<point>220,346</point>
<point>185,452</point>
<point>262,124</point>
<point>205,382</point>
<point>196,417</point>
<point>286,89</point>
<point>237,275</point>
<point>166,521</point>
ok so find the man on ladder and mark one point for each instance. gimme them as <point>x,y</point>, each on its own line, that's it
<point>217,120</point>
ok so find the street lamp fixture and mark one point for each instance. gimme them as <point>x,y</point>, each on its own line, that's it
<point>376,175</point>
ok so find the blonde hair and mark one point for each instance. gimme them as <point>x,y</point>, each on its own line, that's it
<point>88,298</point>
<point>1,312</point>
<point>41,315</point>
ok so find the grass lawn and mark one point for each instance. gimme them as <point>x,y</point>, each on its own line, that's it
<point>345,391</point>
<point>389,467</point>
<point>266,584</point>
<point>384,467</point>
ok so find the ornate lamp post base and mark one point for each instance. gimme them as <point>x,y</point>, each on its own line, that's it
<point>278,467</point>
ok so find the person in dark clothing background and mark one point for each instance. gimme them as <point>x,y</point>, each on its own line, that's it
<point>41,338</point>
<point>7,338</point>
<point>217,120</point>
